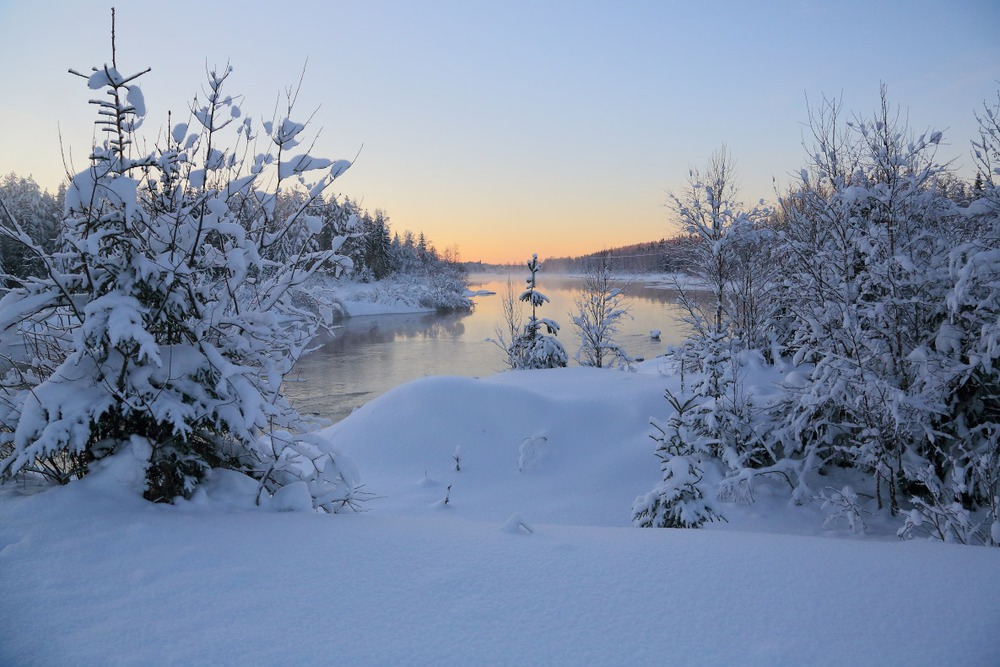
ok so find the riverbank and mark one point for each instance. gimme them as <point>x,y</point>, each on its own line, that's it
<point>397,294</point>
<point>406,294</point>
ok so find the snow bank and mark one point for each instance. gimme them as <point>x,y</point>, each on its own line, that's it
<point>532,560</point>
<point>397,294</point>
<point>550,445</point>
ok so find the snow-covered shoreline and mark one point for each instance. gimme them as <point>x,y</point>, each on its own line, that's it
<point>360,299</point>
<point>391,296</point>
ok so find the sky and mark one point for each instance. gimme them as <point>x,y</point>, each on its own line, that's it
<point>511,128</point>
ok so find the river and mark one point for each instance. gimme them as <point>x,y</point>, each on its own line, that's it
<point>372,354</point>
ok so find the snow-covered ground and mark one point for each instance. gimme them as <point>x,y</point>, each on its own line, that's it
<point>532,559</point>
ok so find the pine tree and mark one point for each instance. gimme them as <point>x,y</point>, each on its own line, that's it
<point>378,246</point>
<point>977,184</point>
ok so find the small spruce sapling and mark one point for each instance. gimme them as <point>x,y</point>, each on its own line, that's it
<point>679,500</point>
<point>532,348</point>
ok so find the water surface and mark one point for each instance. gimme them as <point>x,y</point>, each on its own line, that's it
<point>370,355</point>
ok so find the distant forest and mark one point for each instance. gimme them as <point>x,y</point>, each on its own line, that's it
<point>663,256</point>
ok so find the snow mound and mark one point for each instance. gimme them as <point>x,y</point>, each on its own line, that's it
<point>545,441</point>
<point>516,525</point>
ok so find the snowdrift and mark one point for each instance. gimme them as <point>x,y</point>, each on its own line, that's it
<point>530,561</point>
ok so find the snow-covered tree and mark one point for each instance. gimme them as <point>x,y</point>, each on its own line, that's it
<point>886,298</point>
<point>684,450</point>
<point>423,249</point>
<point>865,281</point>
<point>532,348</point>
<point>729,253</point>
<point>986,151</point>
<point>39,216</point>
<point>165,324</point>
<point>729,250</point>
<point>884,304</point>
<point>600,309</point>
<point>378,246</point>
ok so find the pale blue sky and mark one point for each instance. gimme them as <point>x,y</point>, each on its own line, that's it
<point>515,127</point>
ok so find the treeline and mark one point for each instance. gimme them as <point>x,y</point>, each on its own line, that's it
<point>367,247</point>
<point>40,215</point>
<point>378,252</point>
<point>654,257</point>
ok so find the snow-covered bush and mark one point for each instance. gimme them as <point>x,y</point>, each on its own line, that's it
<point>170,312</point>
<point>877,309</point>
<point>938,514</point>
<point>322,478</point>
<point>443,292</point>
<point>600,309</point>
<point>446,289</point>
<point>843,505</point>
<point>889,295</point>
<point>509,329</point>
<point>887,308</point>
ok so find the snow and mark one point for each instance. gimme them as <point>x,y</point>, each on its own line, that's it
<point>392,296</point>
<point>106,76</point>
<point>301,164</point>
<point>531,561</point>
<point>136,100</point>
<point>179,132</point>
<point>80,189</point>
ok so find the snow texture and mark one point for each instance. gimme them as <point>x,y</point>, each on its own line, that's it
<point>537,568</point>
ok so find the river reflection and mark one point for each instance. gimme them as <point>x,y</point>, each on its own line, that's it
<point>370,355</point>
<point>377,330</point>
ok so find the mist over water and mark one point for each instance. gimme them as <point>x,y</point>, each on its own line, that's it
<point>370,355</point>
